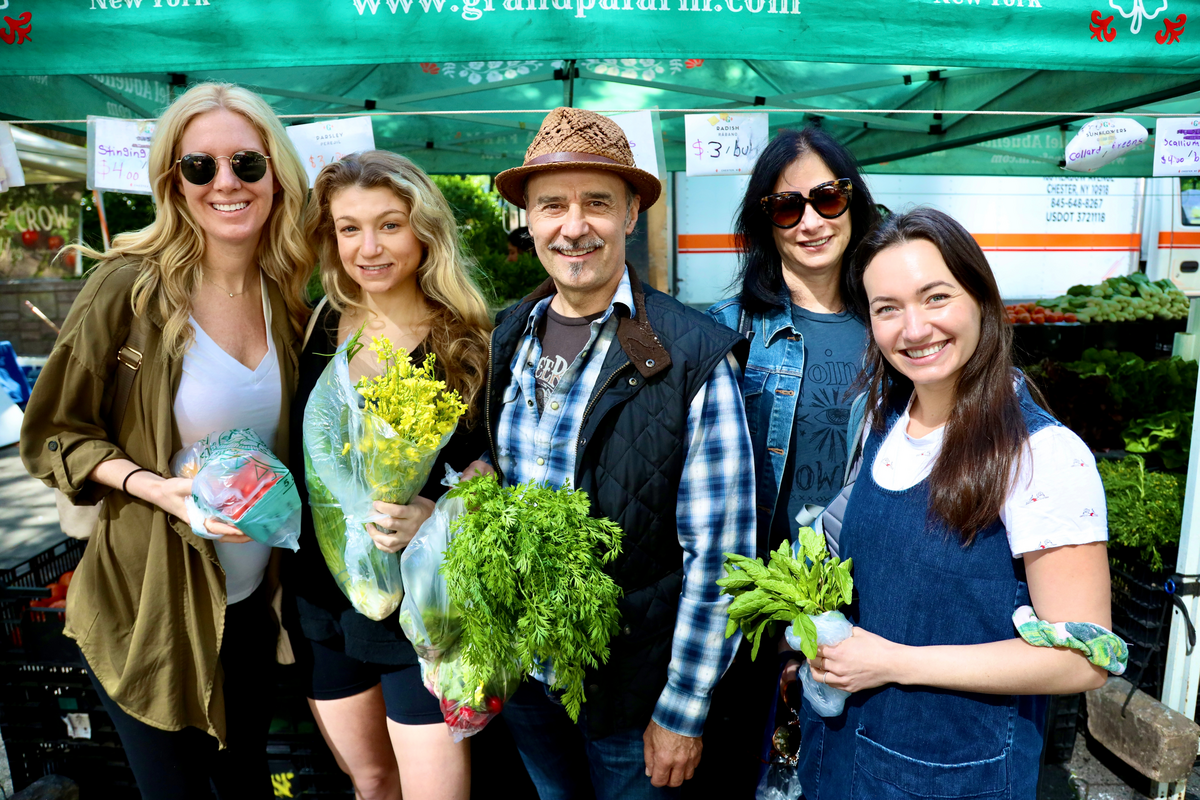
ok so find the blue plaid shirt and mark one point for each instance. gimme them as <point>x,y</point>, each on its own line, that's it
<point>715,506</point>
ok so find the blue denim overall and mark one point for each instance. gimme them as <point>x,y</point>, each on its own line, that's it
<point>916,584</point>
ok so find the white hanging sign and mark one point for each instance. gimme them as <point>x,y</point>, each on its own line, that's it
<point>723,144</point>
<point>11,173</point>
<point>321,143</point>
<point>1100,141</point>
<point>639,130</point>
<point>1177,147</point>
<point>118,154</point>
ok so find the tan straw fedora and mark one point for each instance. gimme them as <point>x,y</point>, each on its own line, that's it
<point>572,138</point>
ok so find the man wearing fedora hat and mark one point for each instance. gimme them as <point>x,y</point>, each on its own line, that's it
<point>599,383</point>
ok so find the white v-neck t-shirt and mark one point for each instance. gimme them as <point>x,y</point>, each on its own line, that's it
<point>1058,498</point>
<point>218,393</point>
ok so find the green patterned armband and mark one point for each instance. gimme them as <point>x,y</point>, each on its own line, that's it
<point>1101,646</point>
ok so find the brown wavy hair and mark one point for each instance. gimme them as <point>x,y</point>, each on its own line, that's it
<point>460,324</point>
<point>986,435</point>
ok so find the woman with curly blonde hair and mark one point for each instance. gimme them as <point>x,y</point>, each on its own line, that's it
<point>391,265</point>
<point>206,305</point>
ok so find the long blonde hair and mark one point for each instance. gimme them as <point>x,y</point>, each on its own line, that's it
<point>459,319</point>
<point>170,250</point>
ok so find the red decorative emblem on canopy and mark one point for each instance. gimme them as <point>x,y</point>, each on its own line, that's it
<point>1100,30</point>
<point>1171,30</point>
<point>18,29</point>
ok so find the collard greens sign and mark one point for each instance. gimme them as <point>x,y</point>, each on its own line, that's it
<point>41,37</point>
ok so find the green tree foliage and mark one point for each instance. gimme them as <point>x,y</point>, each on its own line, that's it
<point>481,225</point>
<point>125,212</point>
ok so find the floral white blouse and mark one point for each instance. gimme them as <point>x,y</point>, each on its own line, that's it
<point>1057,500</point>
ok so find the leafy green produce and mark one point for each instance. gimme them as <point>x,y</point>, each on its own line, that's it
<point>1119,400</point>
<point>525,566</point>
<point>1168,434</point>
<point>786,589</point>
<point>1122,298</point>
<point>1145,509</point>
<point>1141,387</point>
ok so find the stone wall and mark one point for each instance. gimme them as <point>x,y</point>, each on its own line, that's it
<point>28,334</point>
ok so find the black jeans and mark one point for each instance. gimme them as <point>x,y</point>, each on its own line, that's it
<point>179,765</point>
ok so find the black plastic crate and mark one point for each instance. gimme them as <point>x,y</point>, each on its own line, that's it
<point>1141,615</point>
<point>34,702</point>
<point>1062,724</point>
<point>302,766</point>
<point>35,634</point>
<point>100,769</point>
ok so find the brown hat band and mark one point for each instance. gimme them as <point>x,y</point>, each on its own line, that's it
<point>554,158</point>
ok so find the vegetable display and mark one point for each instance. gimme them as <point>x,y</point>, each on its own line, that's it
<point>1123,298</point>
<point>1119,400</point>
<point>1145,509</point>
<point>237,479</point>
<point>374,440</point>
<point>525,568</point>
<point>806,591</point>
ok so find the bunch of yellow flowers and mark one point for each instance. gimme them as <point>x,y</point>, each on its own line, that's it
<point>421,413</point>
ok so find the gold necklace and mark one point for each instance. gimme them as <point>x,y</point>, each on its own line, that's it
<point>223,289</point>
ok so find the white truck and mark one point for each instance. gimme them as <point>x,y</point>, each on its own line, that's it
<point>1041,235</point>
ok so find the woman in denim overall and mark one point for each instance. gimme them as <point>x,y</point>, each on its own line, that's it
<point>947,701</point>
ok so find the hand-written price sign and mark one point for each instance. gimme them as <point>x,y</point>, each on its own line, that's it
<point>119,154</point>
<point>639,128</point>
<point>1177,147</point>
<point>321,143</point>
<point>723,144</point>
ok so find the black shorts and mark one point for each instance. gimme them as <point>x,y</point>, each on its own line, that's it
<point>336,675</point>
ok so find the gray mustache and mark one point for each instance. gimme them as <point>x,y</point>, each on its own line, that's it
<point>580,244</point>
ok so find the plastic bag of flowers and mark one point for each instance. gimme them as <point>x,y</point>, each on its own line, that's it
<point>376,439</point>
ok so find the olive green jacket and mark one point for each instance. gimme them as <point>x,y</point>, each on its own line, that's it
<point>147,602</point>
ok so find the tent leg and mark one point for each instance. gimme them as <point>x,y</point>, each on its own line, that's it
<point>1180,680</point>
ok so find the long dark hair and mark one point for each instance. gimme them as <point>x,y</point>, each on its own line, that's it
<point>760,272</point>
<point>986,432</point>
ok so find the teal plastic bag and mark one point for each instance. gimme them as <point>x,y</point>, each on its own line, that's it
<point>236,479</point>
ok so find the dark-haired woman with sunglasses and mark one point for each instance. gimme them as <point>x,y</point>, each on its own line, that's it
<point>805,209</point>
<point>177,628</point>
<point>976,524</point>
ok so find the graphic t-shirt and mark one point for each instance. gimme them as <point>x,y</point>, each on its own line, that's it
<point>562,340</point>
<point>833,351</point>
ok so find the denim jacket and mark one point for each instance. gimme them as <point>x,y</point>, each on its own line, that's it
<point>770,390</point>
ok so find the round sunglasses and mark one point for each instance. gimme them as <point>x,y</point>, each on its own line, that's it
<point>830,200</point>
<point>201,168</point>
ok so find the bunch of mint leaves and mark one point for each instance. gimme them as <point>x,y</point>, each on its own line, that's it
<point>525,567</point>
<point>786,589</point>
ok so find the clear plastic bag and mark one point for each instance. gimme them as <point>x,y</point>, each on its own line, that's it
<point>238,480</point>
<point>432,623</point>
<point>466,708</point>
<point>780,781</point>
<point>352,458</point>
<point>428,618</point>
<point>832,628</point>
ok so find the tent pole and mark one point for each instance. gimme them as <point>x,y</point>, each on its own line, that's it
<point>568,79</point>
<point>1180,680</point>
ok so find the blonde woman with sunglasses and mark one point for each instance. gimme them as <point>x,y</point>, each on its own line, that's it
<point>177,629</point>
<point>805,210</point>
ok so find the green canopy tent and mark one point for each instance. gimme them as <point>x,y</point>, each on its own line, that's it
<point>967,87</point>
<point>418,61</point>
